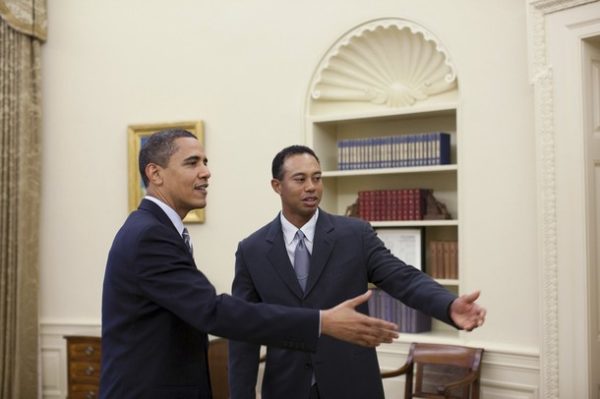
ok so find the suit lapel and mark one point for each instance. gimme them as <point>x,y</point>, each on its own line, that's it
<point>277,255</point>
<point>322,247</point>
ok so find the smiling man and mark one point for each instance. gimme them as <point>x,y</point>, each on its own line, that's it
<point>307,258</point>
<point>157,307</point>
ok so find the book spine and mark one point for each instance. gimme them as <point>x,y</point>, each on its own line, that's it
<point>362,204</point>
<point>453,260</point>
<point>432,260</point>
<point>444,140</point>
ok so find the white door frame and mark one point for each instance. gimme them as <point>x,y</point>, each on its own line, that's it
<point>556,32</point>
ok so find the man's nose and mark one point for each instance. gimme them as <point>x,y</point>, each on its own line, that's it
<point>204,172</point>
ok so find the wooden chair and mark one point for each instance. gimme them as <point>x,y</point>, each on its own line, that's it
<point>442,371</point>
<point>218,353</point>
<point>218,364</point>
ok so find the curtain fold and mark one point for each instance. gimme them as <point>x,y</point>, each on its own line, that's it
<point>26,16</point>
<point>20,153</point>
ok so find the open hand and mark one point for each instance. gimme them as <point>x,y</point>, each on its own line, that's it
<point>465,313</point>
<point>345,323</point>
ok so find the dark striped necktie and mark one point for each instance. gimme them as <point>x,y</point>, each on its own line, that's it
<point>187,240</point>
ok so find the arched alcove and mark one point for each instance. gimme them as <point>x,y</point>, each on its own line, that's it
<point>383,64</point>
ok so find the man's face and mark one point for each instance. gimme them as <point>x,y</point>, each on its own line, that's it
<point>185,178</point>
<point>300,189</point>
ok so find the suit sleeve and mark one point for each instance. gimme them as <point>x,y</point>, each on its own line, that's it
<point>243,356</point>
<point>168,276</point>
<point>404,282</point>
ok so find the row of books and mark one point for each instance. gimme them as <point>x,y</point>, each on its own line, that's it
<point>396,204</point>
<point>394,151</point>
<point>443,259</point>
<point>409,320</point>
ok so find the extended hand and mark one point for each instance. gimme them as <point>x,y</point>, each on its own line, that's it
<point>465,313</point>
<point>345,323</point>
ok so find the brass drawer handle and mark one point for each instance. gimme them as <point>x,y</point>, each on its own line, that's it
<point>90,395</point>
<point>89,370</point>
<point>89,350</point>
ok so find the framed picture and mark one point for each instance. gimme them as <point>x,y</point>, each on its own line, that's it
<point>405,244</point>
<point>136,134</point>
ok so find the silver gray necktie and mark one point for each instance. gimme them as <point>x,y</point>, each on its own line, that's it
<point>301,260</point>
<point>187,240</point>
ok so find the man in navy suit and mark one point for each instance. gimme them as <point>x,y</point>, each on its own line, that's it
<point>157,307</point>
<point>346,255</point>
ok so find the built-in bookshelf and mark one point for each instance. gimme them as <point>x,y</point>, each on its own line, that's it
<point>341,188</point>
<point>367,92</point>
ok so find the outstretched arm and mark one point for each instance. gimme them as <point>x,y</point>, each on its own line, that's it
<point>345,323</point>
<point>465,313</point>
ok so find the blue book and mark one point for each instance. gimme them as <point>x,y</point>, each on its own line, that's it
<point>442,155</point>
<point>340,154</point>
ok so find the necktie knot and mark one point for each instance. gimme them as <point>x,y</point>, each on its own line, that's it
<point>301,260</point>
<point>187,240</point>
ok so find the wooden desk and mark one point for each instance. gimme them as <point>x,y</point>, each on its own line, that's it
<point>83,366</point>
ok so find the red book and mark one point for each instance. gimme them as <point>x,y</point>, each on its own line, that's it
<point>362,204</point>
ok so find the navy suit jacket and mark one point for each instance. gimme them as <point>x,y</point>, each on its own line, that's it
<point>157,309</point>
<point>346,256</point>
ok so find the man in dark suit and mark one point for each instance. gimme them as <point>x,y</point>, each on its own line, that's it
<point>345,255</point>
<point>157,307</point>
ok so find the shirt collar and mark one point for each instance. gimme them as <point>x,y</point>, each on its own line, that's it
<point>173,216</point>
<point>289,230</point>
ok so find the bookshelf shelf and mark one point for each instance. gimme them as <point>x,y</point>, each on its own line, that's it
<point>389,171</point>
<point>448,282</point>
<point>417,111</point>
<point>434,337</point>
<point>414,223</point>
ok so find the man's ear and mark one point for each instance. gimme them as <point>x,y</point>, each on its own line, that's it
<point>276,186</point>
<point>153,173</point>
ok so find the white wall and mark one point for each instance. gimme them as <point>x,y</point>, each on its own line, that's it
<point>244,68</point>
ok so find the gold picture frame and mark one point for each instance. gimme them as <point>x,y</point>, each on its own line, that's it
<point>135,138</point>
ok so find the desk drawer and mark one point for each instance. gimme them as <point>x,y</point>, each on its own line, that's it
<point>81,391</point>
<point>84,351</point>
<point>84,372</point>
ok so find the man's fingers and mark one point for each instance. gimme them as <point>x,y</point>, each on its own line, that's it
<point>481,318</point>
<point>378,324</point>
<point>381,328</point>
<point>373,337</point>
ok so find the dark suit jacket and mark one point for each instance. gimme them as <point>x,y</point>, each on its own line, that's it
<point>346,256</point>
<point>157,309</point>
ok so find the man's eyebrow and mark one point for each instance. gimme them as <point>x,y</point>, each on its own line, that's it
<point>193,158</point>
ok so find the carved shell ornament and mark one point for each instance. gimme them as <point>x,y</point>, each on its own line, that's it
<point>394,64</point>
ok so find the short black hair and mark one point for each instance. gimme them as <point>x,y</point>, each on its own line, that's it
<point>277,165</point>
<point>158,149</point>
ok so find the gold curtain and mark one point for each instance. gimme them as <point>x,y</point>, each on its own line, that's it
<point>22,29</point>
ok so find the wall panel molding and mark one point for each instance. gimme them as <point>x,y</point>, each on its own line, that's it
<point>507,372</point>
<point>53,349</point>
<point>543,82</point>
